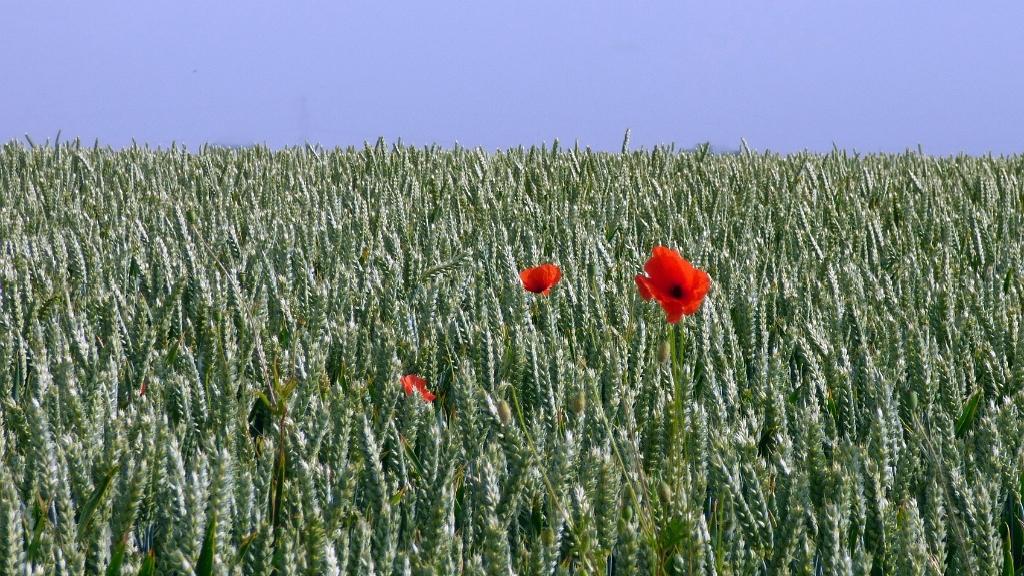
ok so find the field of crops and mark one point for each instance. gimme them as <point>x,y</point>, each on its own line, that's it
<point>201,357</point>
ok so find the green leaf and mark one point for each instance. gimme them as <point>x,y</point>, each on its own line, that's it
<point>148,565</point>
<point>117,558</point>
<point>277,485</point>
<point>247,541</point>
<point>86,512</point>
<point>396,497</point>
<point>285,391</point>
<point>37,529</point>
<point>969,413</point>
<point>1007,555</point>
<point>204,566</point>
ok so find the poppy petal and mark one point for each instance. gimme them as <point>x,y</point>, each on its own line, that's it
<point>413,383</point>
<point>554,274</point>
<point>643,285</point>
<point>697,289</point>
<point>427,395</point>
<point>677,285</point>
<point>421,387</point>
<point>667,268</point>
<point>529,280</point>
<point>540,279</point>
<point>674,310</point>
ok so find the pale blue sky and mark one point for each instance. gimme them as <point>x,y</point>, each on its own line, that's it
<point>784,75</point>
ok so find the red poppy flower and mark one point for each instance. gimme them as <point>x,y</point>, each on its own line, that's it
<point>675,283</point>
<point>415,383</point>
<point>540,279</point>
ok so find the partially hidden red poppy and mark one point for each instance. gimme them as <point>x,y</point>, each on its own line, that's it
<point>540,279</point>
<point>415,383</point>
<point>675,283</point>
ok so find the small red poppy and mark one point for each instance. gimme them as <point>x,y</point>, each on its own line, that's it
<point>415,383</point>
<point>675,283</point>
<point>540,279</point>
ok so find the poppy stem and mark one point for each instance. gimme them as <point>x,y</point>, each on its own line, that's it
<point>677,337</point>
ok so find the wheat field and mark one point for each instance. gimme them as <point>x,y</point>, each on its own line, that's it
<point>200,354</point>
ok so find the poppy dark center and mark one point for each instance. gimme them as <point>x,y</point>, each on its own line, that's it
<point>676,291</point>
